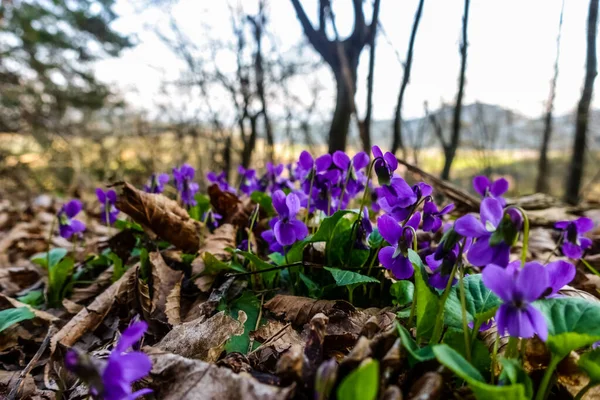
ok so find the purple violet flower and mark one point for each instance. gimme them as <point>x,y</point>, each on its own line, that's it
<point>187,189</point>
<point>495,189</point>
<point>67,225</point>
<point>518,288</point>
<point>287,228</point>
<point>269,237</point>
<point>248,181</point>
<point>574,243</point>
<point>112,379</point>
<point>365,228</point>
<point>488,249</point>
<point>560,273</point>
<point>442,268</point>
<point>397,198</point>
<point>395,256</point>
<point>432,217</point>
<point>384,165</point>
<point>219,179</point>
<point>156,183</point>
<point>108,200</point>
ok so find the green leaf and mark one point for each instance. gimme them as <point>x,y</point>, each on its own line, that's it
<point>260,264</point>
<point>12,316</point>
<point>202,206</point>
<point>345,278</point>
<point>327,227</point>
<point>57,277</point>
<point>295,253</point>
<point>250,304</point>
<point>313,289</point>
<point>362,383</point>
<point>277,258</point>
<point>480,355</point>
<point>54,255</point>
<point>480,301</point>
<point>513,373</point>
<point>34,298</point>
<point>144,269</point>
<point>341,250</point>
<point>461,367</point>
<point>122,224</point>
<point>572,323</point>
<point>375,238</point>
<point>118,269</point>
<point>402,292</point>
<point>590,363</point>
<point>265,202</point>
<point>428,302</point>
<point>415,353</point>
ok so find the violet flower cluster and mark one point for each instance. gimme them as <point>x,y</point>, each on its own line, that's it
<point>111,379</point>
<point>108,200</point>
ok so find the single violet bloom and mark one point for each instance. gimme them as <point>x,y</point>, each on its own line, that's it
<point>560,273</point>
<point>384,165</point>
<point>518,288</point>
<point>397,198</point>
<point>287,228</point>
<point>112,379</point>
<point>488,249</point>
<point>495,189</point>
<point>218,179</point>
<point>269,237</point>
<point>442,268</point>
<point>395,256</point>
<point>187,189</point>
<point>432,217</point>
<point>108,199</point>
<point>67,225</point>
<point>156,183</point>
<point>574,243</point>
<point>365,228</point>
<point>248,181</point>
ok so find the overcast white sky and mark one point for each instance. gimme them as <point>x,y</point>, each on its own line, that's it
<point>512,45</point>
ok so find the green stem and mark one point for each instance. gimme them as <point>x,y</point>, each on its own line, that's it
<point>558,243</point>
<point>525,235</point>
<point>439,322</point>
<point>463,306</point>
<point>351,294</point>
<point>511,348</point>
<point>50,242</point>
<point>494,357</point>
<point>543,388</point>
<point>584,390</point>
<point>413,308</point>
<point>312,181</point>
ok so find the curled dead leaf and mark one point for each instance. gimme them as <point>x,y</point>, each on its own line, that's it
<point>162,216</point>
<point>300,310</point>
<point>178,378</point>
<point>202,338</point>
<point>234,211</point>
<point>173,305</point>
<point>164,280</point>
<point>215,244</point>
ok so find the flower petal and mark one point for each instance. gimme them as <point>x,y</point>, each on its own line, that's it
<point>469,226</point>
<point>584,224</point>
<point>560,273</point>
<point>448,208</point>
<point>518,323</point>
<point>300,228</point>
<point>561,224</point>
<point>389,229</point>
<point>571,250</point>
<point>134,365</point>
<point>499,187</point>
<point>391,160</point>
<point>532,281</point>
<point>501,318</point>
<point>293,204</point>
<point>131,335</point>
<point>323,162</point>
<point>499,281</point>
<point>285,233</point>
<point>77,226</point>
<point>72,208</point>
<point>101,195</point>
<point>376,152</point>
<point>341,160</point>
<point>538,322</point>
<point>360,160</point>
<point>279,203</point>
<point>306,161</point>
<point>112,196</point>
<point>481,184</point>
<point>414,221</point>
<point>480,254</point>
<point>491,211</point>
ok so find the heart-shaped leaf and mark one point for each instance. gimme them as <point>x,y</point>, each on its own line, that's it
<point>11,316</point>
<point>52,257</point>
<point>428,302</point>
<point>481,303</point>
<point>345,278</point>
<point>402,292</point>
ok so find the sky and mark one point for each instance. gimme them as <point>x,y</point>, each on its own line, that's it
<point>511,52</point>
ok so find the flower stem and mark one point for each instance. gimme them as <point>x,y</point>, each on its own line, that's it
<point>312,181</point>
<point>413,308</point>
<point>543,388</point>
<point>50,242</point>
<point>584,390</point>
<point>463,306</point>
<point>525,235</point>
<point>494,357</point>
<point>439,322</point>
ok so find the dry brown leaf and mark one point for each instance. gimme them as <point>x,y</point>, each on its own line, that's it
<point>215,244</point>
<point>173,305</point>
<point>143,298</point>
<point>203,338</point>
<point>164,279</point>
<point>300,310</point>
<point>71,306</point>
<point>179,378</point>
<point>429,386</point>
<point>234,211</point>
<point>279,338</point>
<point>161,216</point>
<point>10,378</point>
<point>83,294</point>
<point>88,319</point>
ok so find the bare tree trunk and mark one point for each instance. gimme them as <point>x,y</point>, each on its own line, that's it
<point>575,176</point>
<point>397,142</point>
<point>251,143</point>
<point>450,152</point>
<point>541,184</point>
<point>340,124</point>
